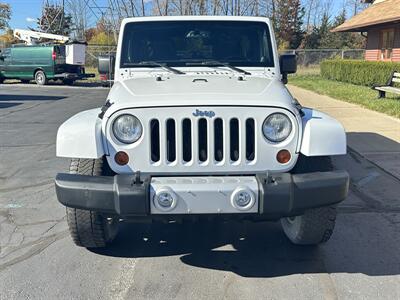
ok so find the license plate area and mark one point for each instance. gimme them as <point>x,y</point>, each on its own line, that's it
<point>204,195</point>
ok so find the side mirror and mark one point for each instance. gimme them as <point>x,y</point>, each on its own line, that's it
<point>106,64</point>
<point>288,64</point>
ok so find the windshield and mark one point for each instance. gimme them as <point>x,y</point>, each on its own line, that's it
<point>180,43</point>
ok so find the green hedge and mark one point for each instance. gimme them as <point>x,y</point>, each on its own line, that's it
<point>358,72</point>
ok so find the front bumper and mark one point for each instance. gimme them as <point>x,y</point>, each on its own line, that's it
<point>279,195</point>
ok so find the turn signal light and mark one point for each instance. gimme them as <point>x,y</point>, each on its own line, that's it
<point>283,156</point>
<point>121,158</point>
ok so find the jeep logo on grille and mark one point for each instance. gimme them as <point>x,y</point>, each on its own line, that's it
<point>204,113</point>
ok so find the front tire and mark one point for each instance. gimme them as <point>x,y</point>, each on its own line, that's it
<point>316,225</point>
<point>89,228</point>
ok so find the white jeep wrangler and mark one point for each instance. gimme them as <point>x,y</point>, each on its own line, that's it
<point>199,123</point>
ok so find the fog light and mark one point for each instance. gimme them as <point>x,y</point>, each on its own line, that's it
<point>165,199</point>
<point>121,158</point>
<point>283,156</point>
<point>242,198</point>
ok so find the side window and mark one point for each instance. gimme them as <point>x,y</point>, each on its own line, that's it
<point>60,51</point>
<point>6,53</point>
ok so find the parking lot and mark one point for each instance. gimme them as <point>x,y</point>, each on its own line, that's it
<point>38,260</point>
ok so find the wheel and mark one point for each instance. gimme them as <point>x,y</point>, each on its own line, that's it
<point>1,80</point>
<point>315,226</point>
<point>26,81</point>
<point>40,78</point>
<point>68,81</point>
<point>88,228</point>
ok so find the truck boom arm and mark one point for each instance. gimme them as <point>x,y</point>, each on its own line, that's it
<point>31,37</point>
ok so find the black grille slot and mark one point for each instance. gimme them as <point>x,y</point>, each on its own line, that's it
<point>171,140</point>
<point>234,137</point>
<point>250,140</point>
<point>187,140</point>
<point>218,140</point>
<point>155,140</point>
<point>203,143</point>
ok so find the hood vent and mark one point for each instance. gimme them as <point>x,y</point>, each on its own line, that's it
<point>212,73</point>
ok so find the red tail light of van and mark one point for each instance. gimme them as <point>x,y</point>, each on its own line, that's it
<point>53,56</point>
<point>103,77</point>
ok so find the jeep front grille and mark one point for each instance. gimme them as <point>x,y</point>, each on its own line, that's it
<point>202,140</point>
<point>176,140</point>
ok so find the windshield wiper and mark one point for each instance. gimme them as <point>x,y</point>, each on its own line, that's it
<point>155,64</point>
<point>216,63</point>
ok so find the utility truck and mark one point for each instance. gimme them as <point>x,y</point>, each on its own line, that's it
<point>199,125</point>
<point>43,57</point>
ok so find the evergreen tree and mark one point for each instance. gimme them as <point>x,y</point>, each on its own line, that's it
<point>325,32</point>
<point>312,40</point>
<point>288,21</point>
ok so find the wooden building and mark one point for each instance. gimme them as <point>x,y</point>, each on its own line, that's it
<point>380,23</point>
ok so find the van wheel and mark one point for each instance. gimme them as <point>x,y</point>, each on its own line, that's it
<point>2,80</point>
<point>91,229</point>
<point>40,78</point>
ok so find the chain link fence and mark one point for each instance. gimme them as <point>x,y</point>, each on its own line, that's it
<point>305,57</point>
<point>94,51</point>
<point>313,57</point>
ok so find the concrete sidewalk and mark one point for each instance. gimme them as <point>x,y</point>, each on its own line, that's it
<point>373,135</point>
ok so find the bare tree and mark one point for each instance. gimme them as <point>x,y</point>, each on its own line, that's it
<point>355,6</point>
<point>5,15</point>
<point>80,16</point>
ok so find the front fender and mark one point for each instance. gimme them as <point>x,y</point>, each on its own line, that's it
<point>322,135</point>
<point>80,136</point>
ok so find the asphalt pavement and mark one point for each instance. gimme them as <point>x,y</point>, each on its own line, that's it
<point>170,261</point>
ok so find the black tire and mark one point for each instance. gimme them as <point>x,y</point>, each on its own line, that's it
<point>1,80</point>
<point>88,228</point>
<point>315,226</point>
<point>68,81</point>
<point>41,78</point>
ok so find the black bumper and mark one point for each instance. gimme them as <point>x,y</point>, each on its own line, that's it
<point>281,195</point>
<point>74,76</point>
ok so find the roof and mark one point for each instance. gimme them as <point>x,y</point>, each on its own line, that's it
<point>380,12</point>
<point>195,18</point>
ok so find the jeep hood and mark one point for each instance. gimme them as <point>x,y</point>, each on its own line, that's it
<point>193,90</point>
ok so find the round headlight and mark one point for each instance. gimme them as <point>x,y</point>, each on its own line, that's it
<point>277,127</point>
<point>127,129</point>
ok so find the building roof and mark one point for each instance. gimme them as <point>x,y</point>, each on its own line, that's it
<point>380,12</point>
